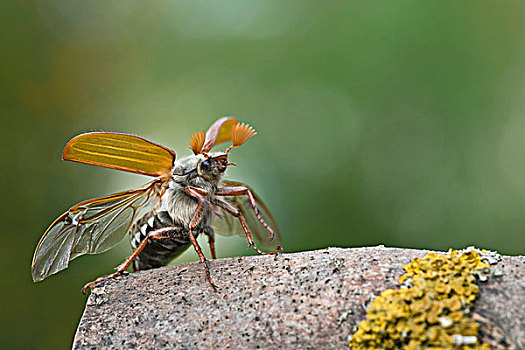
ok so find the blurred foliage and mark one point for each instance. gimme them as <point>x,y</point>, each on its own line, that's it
<point>398,123</point>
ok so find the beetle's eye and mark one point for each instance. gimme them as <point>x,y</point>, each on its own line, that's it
<point>206,164</point>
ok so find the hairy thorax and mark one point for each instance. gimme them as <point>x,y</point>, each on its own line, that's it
<point>178,203</point>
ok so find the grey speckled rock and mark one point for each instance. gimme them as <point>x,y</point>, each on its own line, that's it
<point>308,300</point>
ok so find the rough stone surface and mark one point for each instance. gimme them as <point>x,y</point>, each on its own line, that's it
<point>307,300</point>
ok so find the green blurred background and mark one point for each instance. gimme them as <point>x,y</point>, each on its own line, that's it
<point>397,123</point>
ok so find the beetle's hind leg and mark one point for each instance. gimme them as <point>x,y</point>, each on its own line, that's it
<point>208,231</point>
<point>162,233</point>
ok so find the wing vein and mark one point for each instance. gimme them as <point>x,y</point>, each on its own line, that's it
<point>122,149</point>
<point>127,159</point>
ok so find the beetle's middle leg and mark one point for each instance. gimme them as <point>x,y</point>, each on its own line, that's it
<point>162,233</point>
<point>235,212</point>
<point>242,190</point>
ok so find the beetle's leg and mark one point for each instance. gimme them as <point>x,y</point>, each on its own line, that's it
<point>241,190</point>
<point>208,231</point>
<point>195,219</point>
<point>162,233</point>
<point>200,194</point>
<point>235,212</point>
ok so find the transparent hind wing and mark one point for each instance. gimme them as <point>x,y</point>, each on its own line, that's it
<point>91,227</point>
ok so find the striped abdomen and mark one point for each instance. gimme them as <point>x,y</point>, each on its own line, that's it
<point>159,252</point>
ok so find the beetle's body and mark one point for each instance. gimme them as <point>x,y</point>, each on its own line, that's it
<point>163,217</point>
<point>157,253</point>
<point>176,210</point>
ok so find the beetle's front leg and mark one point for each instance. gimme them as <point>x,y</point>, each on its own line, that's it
<point>242,190</point>
<point>200,194</point>
<point>195,219</point>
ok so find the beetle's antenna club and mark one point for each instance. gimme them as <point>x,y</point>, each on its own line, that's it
<point>241,132</point>
<point>197,141</point>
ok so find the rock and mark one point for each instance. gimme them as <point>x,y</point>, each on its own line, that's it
<point>307,300</point>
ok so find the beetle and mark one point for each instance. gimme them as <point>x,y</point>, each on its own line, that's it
<point>188,197</point>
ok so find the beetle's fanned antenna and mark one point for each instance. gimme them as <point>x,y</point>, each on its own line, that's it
<point>197,141</point>
<point>240,134</point>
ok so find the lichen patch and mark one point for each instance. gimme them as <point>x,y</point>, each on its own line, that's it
<point>430,310</point>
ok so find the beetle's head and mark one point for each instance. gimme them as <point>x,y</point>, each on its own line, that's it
<point>213,165</point>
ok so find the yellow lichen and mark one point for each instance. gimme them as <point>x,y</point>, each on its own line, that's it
<point>430,312</point>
